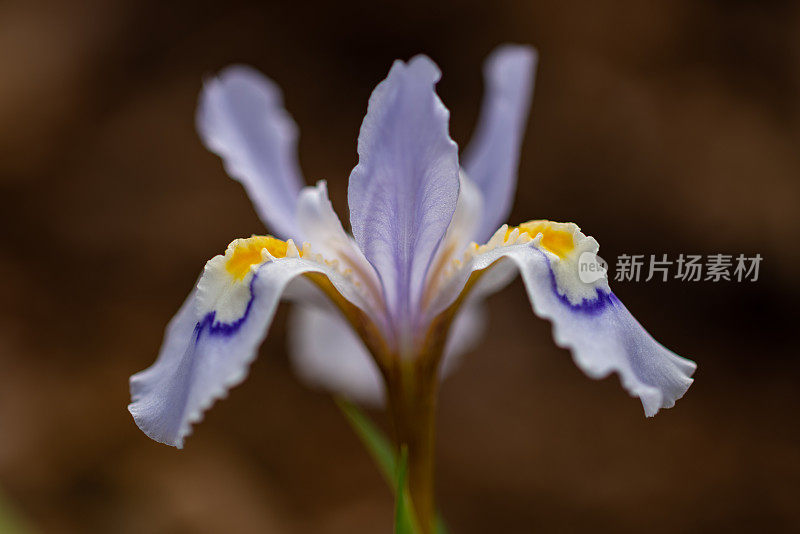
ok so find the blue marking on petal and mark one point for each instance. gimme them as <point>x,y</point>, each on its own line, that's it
<point>220,329</point>
<point>587,306</point>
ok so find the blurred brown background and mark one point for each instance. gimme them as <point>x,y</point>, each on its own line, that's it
<point>660,127</point>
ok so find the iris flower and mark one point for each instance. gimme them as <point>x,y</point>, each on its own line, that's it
<point>385,311</point>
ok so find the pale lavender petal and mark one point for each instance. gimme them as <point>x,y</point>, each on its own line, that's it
<point>404,190</point>
<point>492,157</point>
<point>587,317</point>
<point>211,342</point>
<point>241,118</point>
<point>604,337</point>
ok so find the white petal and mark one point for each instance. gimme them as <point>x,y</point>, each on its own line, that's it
<point>467,217</point>
<point>466,220</point>
<point>326,352</point>
<point>323,230</point>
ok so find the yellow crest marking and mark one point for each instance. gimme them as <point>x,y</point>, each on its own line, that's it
<point>554,238</point>
<point>247,252</point>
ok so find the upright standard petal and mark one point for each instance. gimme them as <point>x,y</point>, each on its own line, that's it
<point>403,192</point>
<point>211,342</point>
<point>241,118</point>
<point>492,157</point>
<point>587,317</point>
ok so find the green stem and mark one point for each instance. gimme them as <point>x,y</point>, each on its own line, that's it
<point>412,405</point>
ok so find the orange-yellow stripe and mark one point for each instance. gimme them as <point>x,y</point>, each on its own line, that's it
<point>557,241</point>
<point>247,252</point>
